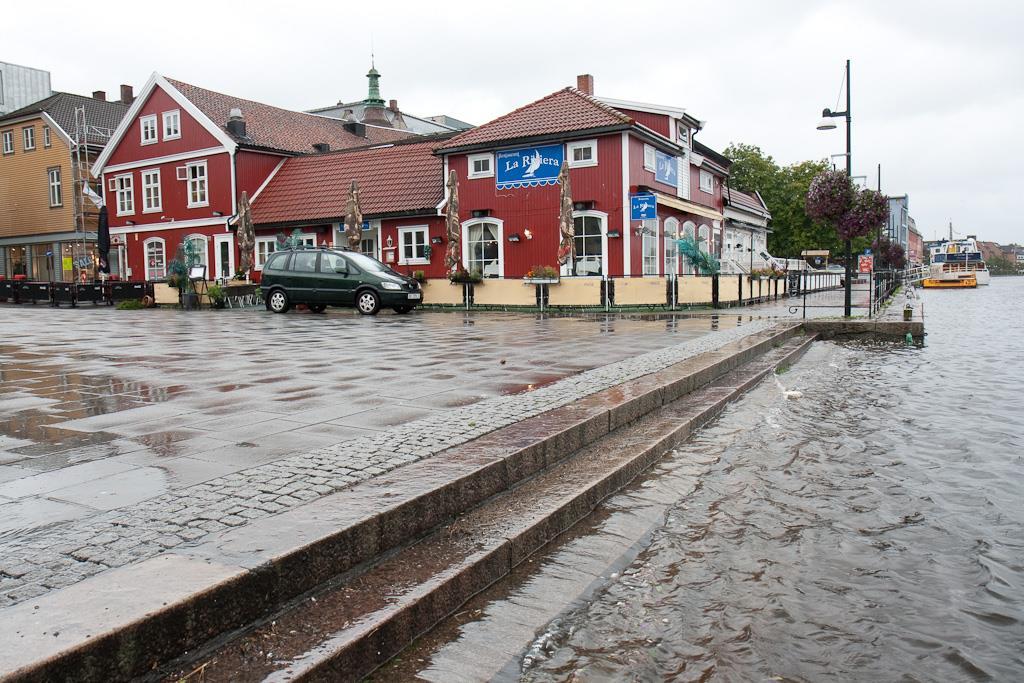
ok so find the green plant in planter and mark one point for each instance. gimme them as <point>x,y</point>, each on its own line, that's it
<point>216,294</point>
<point>130,305</point>
<point>463,276</point>
<point>542,273</point>
<point>419,276</point>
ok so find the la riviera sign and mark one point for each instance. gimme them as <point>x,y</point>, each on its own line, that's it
<point>528,167</point>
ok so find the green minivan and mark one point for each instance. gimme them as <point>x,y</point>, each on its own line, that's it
<point>321,277</point>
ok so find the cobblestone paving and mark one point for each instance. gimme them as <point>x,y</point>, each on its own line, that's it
<point>65,553</point>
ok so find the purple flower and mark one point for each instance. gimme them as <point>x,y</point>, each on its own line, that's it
<point>829,196</point>
<point>867,212</point>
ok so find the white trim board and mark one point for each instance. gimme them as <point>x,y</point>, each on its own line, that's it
<point>166,225</point>
<point>153,161</point>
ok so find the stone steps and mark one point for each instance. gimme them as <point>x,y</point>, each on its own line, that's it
<point>131,620</point>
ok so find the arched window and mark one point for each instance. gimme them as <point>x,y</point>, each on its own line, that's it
<point>591,244</point>
<point>689,233</point>
<point>156,258</point>
<point>703,238</point>
<point>671,248</point>
<point>199,245</point>
<point>483,247</point>
<point>650,247</point>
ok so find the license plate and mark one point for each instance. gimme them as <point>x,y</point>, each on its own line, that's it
<point>417,295</point>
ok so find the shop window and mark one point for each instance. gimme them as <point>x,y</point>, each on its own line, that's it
<point>156,258</point>
<point>671,248</point>
<point>412,244</point>
<point>689,233</point>
<point>589,239</point>
<point>147,128</point>
<point>199,245</point>
<point>56,195</point>
<point>582,153</point>
<point>481,165</point>
<point>650,247</point>
<point>483,248</point>
<point>172,124</point>
<point>704,239</point>
<point>265,246</point>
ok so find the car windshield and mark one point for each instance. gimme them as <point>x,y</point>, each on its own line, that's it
<point>364,262</point>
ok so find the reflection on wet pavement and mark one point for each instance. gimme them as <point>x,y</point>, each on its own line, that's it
<point>170,399</point>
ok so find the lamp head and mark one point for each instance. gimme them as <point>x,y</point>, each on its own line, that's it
<point>826,120</point>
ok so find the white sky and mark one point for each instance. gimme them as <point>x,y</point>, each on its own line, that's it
<point>936,84</point>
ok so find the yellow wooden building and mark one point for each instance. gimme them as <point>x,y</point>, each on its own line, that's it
<point>47,225</point>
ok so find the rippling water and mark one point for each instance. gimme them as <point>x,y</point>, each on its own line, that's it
<point>871,530</point>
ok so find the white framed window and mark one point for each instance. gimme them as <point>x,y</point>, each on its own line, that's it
<point>124,191</point>
<point>707,181</point>
<point>582,153</point>
<point>689,233</point>
<point>671,248</point>
<point>47,140</point>
<point>682,134</point>
<point>56,194</point>
<point>650,159</point>
<point>28,138</point>
<point>172,124</point>
<point>151,200</point>
<point>265,246</point>
<point>147,128</point>
<point>650,247</point>
<point>196,175</point>
<point>8,142</point>
<point>704,239</point>
<point>412,244</point>
<point>591,243</point>
<point>200,246</point>
<point>223,256</point>
<point>483,246</point>
<point>156,258</point>
<point>481,165</point>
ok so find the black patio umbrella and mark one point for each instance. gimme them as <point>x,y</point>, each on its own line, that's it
<point>103,241</point>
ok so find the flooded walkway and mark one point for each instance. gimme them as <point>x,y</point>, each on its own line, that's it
<point>869,529</point>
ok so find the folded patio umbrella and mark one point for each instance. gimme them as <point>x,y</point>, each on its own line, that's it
<point>566,227</point>
<point>353,218</point>
<point>246,234</point>
<point>453,256</point>
<point>103,240</point>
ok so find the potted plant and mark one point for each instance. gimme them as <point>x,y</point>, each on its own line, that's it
<point>217,296</point>
<point>463,276</point>
<point>419,276</point>
<point>541,275</point>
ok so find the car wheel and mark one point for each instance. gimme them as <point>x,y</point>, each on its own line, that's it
<point>402,310</point>
<point>368,302</point>
<point>318,308</point>
<point>278,301</point>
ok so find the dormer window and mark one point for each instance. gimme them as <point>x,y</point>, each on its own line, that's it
<point>147,124</point>
<point>481,165</point>
<point>682,134</point>
<point>172,124</point>
<point>582,153</point>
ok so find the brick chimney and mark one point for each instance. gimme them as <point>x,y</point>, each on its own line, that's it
<point>585,83</point>
<point>99,95</point>
<point>127,94</point>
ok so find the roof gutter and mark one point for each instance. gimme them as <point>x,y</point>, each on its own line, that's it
<point>426,212</point>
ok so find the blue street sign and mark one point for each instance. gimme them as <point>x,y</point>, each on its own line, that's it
<point>528,167</point>
<point>867,251</point>
<point>643,207</point>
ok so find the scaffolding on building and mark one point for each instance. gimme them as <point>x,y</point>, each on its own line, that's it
<point>85,211</point>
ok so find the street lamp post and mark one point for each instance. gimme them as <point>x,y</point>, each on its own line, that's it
<point>826,124</point>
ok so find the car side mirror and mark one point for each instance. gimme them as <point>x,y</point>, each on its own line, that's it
<point>341,269</point>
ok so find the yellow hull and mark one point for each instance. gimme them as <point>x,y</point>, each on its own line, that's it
<point>961,283</point>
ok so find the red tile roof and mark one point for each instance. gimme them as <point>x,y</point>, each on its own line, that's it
<point>564,111</point>
<point>281,129</point>
<point>399,178</point>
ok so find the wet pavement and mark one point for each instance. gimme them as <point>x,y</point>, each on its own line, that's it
<point>125,433</point>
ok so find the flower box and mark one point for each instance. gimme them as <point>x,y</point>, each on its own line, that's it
<point>540,280</point>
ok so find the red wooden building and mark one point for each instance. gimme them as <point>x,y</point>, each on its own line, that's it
<point>401,195</point>
<point>180,159</point>
<point>510,198</point>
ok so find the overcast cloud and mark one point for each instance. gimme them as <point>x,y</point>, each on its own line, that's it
<point>936,85</point>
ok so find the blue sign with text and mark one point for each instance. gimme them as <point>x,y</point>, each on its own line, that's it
<point>666,168</point>
<point>528,167</point>
<point>643,207</point>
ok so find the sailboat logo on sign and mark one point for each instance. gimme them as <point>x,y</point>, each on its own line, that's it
<point>529,167</point>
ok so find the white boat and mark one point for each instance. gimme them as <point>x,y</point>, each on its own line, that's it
<point>952,259</point>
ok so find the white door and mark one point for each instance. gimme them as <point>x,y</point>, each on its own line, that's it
<point>224,256</point>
